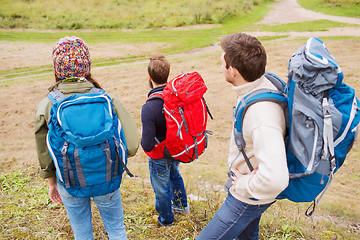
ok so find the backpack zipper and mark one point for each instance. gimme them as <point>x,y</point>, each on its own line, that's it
<point>204,111</point>
<point>83,97</point>
<point>354,109</point>
<point>177,123</point>
<point>173,86</point>
<point>54,159</point>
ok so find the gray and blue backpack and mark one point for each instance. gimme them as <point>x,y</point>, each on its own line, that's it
<point>86,143</point>
<point>322,115</point>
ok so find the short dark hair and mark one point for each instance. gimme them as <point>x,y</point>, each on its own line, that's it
<point>159,68</point>
<point>246,54</point>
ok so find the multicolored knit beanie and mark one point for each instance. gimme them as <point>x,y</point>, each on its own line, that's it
<point>71,58</point>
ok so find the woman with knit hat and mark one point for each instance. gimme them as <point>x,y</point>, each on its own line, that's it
<point>72,66</point>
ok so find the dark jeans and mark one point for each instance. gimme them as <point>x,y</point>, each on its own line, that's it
<point>169,189</point>
<point>234,220</point>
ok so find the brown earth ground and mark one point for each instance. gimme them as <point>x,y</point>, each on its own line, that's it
<point>18,101</point>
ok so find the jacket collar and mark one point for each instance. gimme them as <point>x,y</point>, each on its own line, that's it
<point>247,88</point>
<point>75,87</point>
<point>157,89</point>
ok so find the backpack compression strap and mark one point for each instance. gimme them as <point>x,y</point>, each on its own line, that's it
<point>121,159</point>
<point>208,110</point>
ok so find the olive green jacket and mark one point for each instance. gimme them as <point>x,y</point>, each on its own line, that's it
<point>47,168</point>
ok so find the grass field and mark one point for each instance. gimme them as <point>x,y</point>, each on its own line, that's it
<point>348,8</point>
<point>119,64</point>
<point>141,14</point>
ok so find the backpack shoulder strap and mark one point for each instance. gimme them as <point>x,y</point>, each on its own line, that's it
<point>96,90</point>
<point>252,98</point>
<point>56,96</point>
<point>276,81</point>
<point>156,95</point>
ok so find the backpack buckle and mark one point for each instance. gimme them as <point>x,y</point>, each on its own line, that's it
<point>65,148</point>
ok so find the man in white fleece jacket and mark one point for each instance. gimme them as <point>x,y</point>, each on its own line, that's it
<point>251,193</point>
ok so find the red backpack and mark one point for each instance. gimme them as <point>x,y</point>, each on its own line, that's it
<point>185,112</point>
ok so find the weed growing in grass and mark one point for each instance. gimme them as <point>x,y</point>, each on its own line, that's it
<point>287,232</point>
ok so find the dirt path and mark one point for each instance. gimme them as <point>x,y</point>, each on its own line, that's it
<point>289,11</point>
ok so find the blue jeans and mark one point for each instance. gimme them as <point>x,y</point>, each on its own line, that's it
<point>79,214</point>
<point>234,220</point>
<point>169,189</point>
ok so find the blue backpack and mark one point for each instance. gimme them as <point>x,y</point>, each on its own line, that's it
<point>86,143</point>
<point>322,117</point>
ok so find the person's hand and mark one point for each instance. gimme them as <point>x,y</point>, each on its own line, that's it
<point>237,175</point>
<point>53,192</point>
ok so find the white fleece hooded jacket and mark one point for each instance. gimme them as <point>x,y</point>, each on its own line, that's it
<point>263,132</point>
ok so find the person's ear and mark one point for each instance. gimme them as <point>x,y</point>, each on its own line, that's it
<point>233,71</point>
